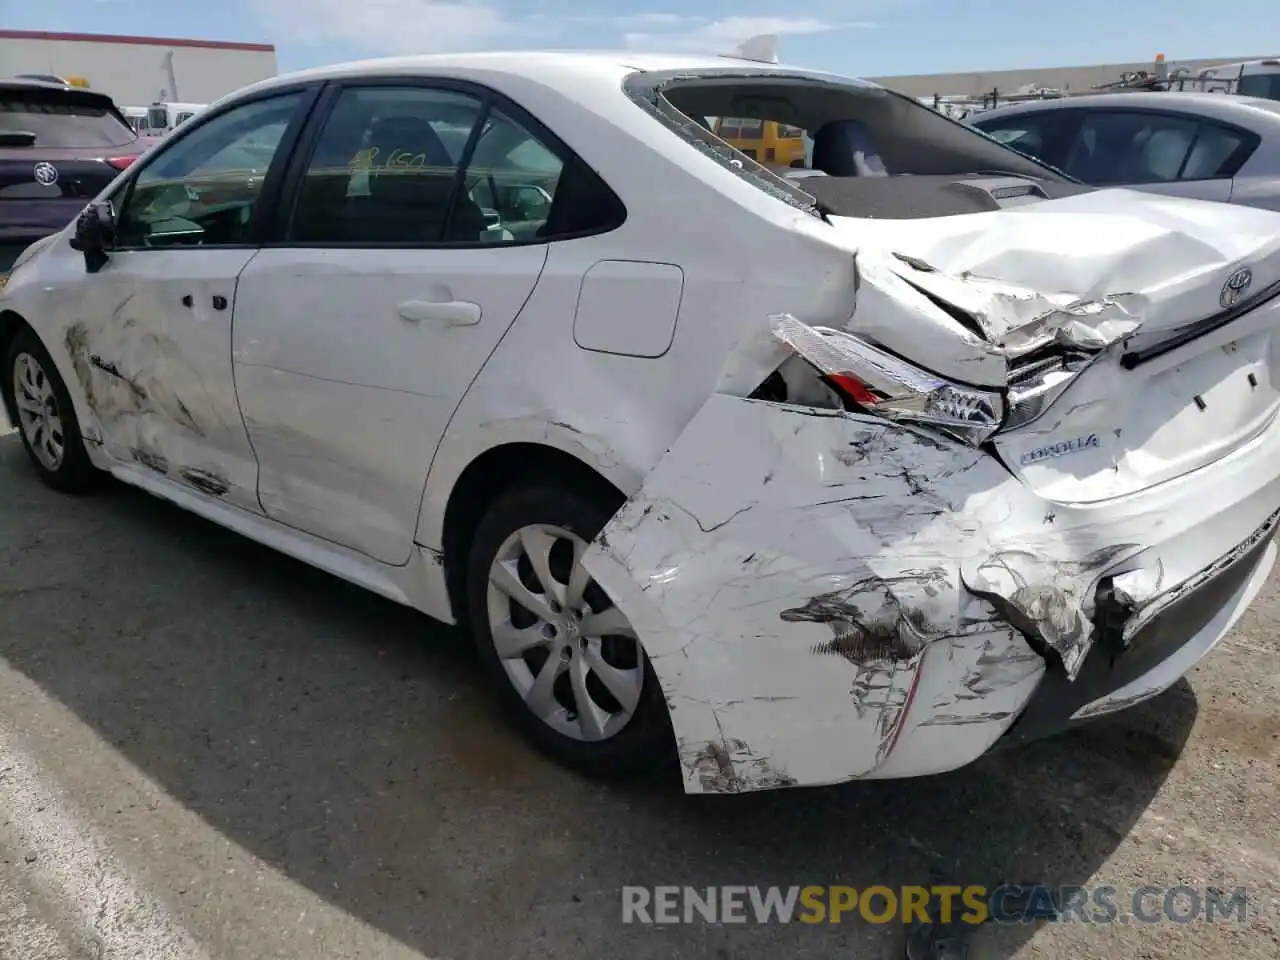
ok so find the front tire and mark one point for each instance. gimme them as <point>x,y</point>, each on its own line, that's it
<point>569,667</point>
<point>46,418</point>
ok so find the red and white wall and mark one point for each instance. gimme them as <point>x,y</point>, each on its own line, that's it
<point>132,70</point>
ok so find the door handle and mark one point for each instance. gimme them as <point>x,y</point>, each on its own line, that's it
<point>454,313</point>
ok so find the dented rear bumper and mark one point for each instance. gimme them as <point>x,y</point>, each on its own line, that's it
<point>827,596</point>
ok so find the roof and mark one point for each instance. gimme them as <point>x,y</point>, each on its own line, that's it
<point>530,62</point>
<point>560,69</point>
<point>1224,106</point>
<point>143,41</point>
<point>25,83</point>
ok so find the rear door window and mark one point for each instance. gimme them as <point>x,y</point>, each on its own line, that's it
<point>420,166</point>
<point>385,169</point>
<point>60,119</point>
<point>1217,152</point>
<point>1119,147</point>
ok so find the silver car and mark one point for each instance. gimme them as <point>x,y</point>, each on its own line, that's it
<point>1212,146</point>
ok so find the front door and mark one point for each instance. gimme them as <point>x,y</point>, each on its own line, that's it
<point>356,339</point>
<point>152,347</point>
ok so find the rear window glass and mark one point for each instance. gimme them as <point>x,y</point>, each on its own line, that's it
<point>59,121</point>
<point>857,130</point>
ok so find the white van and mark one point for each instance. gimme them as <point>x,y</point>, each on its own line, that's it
<point>160,118</point>
<point>136,116</point>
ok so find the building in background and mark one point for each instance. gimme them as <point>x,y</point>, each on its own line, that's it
<point>137,71</point>
<point>1066,79</point>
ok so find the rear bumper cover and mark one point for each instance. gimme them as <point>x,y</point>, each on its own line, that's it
<point>1161,652</point>
<point>826,596</point>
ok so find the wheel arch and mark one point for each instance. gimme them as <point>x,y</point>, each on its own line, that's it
<point>487,477</point>
<point>11,324</point>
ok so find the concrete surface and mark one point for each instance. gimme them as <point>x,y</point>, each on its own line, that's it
<point>210,751</point>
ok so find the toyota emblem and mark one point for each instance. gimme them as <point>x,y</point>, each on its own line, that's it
<point>46,174</point>
<point>1236,287</point>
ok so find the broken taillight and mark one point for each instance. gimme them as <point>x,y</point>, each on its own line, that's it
<point>886,385</point>
<point>121,163</point>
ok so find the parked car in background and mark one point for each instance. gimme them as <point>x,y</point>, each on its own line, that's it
<point>53,78</point>
<point>855,475</point>
<point>59,146</point>
<point>1213,146</point>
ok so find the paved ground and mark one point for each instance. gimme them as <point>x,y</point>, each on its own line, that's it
<point>209,751</point>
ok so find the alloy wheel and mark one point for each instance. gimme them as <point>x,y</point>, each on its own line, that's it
<point>38,413</point>
<point>565,646</point>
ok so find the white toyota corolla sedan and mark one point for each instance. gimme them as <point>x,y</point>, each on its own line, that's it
<point>860,467</point>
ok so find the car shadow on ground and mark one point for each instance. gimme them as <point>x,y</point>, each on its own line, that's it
<point>351,745</point>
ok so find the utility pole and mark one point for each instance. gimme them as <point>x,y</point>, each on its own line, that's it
<point>173,79</point>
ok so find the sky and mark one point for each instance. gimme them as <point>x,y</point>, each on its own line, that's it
<point>854,37</point>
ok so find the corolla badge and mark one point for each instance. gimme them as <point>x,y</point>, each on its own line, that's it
<point>46,174</point>
<point>1061,449</point>
<point>1236,287</point>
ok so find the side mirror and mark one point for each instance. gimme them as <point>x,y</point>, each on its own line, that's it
<point>95,233</point>
<point>530,198</point>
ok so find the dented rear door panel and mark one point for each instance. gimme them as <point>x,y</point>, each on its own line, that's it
<point>824,593</point>
<point>149,340</point>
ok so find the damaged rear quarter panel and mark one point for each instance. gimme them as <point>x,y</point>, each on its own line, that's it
<point>788,569</point>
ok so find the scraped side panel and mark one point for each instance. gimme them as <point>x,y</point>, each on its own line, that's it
<point>787,569</point>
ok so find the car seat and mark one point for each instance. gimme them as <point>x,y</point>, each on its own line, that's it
<point>843,148</point>
<point>411,185</point>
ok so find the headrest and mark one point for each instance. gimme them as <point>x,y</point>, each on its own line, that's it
<point>843,148</point>
<point>408,138</point>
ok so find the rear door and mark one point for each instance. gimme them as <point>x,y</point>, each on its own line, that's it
<point>414,237</point>
<point>58,149</point>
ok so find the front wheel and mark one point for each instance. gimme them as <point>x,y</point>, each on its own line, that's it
<point>46,419</point>
<point>569,665</point>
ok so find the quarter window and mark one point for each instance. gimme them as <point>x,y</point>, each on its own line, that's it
<point>201,190</point>
<point>513,178</point>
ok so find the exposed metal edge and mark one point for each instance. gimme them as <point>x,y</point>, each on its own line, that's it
<point>1161,602</point>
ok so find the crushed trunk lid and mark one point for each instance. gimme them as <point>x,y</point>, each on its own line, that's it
<point>1156,314</point>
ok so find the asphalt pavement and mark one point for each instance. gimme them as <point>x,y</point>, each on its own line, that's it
<point>210,751</point>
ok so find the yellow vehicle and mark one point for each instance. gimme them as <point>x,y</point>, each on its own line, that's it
<point>764,141</point>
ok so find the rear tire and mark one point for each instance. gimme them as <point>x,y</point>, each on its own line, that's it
<point>569,668</point>
<point>46,417</point>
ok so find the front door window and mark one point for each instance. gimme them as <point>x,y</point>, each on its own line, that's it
<point>202,189</point>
